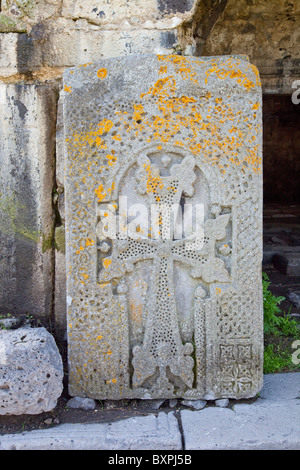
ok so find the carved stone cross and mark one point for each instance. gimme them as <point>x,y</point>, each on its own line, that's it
<point>163,356</point>
<point>151,311</point>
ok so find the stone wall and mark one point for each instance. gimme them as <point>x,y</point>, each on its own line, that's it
<point>38,40</point>
<point>267,31</point>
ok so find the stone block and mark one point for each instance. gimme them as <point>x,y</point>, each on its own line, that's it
<point>287,263</point>
<point>26,180</point>
<point>81,403</point>
<point>133,14</point>
<point>246,428</point>
<point>31,371</point>
<point>9,53</point>
<point>164,228</point>
<point>68,43</point>
<point>138,433</point>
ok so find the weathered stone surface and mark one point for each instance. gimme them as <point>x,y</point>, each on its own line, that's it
<point>294,297</point>
<point>270,423</point>
<point>222,403</point>
<point>139,433</point>
<point>152,314</point>
<point>287,263</point>
<point>31,371</point>
<point>58,34</point>
<point>241,29</point>
<point>245,428</point>
<point>26,180</point>
<point>280,388</point>
<point>195,404</point>
<point>69,43</point>
<point>81,403</point>
<point>10,323</point>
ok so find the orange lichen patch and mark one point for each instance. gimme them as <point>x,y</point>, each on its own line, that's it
<point>255,106</point>
<point>101,194</point>
<point>114,381</point>
<point>163,69</point>
<point>86,276</point>
<point>229,69</point>
<point>161,88</point>
<point>138,112</point>
<point>106,262</point>
<point>80,249</point>
<point>89,242</point>
<point>91,137</point>
<point>182,66</point>
<point>136,312</point>
<point>218,290</point>
<point>254,159</point>
<point>111,158</point>
<point>116,137</point>
<point>101,73</point>
<point>256,73</point>
<point>105,125</point>
<point>154,181</point>
<point>68,89</point>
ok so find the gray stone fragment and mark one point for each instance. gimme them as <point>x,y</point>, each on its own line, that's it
<point>81,403</point>
<point>31,371</point>
<point>289,263</point>
<point>222,402</point>
<point>10,322</point>
<point>48,421</point>
<point>156,404</point>
<point>294,297</point>
<point>196,404</point>
<point>279,241</point>
<point>149,404</point>
<point>173,402</point>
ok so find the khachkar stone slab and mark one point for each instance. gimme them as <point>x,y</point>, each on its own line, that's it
<point>164,227</point>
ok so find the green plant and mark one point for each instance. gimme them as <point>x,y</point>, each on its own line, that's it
<point>275,359</point>
<point>288,327</point>
<point>280,330</point>
<point>271,307</point>
<point>3,317</point>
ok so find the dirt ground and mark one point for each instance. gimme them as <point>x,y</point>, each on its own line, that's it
<point>105,412</point>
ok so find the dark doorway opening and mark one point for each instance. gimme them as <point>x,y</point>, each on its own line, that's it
<point>281,149</point>
<point>281,175</point>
